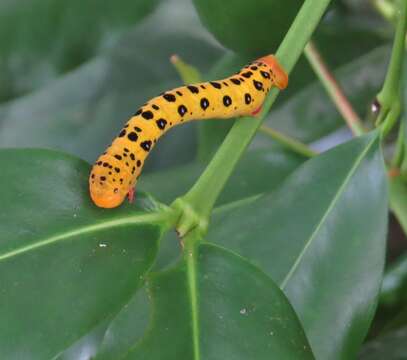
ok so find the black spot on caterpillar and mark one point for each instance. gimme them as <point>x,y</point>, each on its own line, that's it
<point>196,101</point>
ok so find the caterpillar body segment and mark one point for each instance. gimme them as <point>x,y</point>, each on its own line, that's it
<point>116,171</point>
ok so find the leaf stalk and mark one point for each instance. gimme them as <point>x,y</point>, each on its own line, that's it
<point>333,89</point>
<point>390,96</point>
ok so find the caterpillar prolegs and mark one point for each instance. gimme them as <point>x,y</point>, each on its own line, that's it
<point>116,171</point>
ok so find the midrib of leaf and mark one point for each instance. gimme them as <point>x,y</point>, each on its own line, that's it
<point>236,204</point>
<point>135,219</point>
<point>328,211</point>
<point>190,254</point>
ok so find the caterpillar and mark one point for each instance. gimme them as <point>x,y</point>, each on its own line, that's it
<point>115,172</point>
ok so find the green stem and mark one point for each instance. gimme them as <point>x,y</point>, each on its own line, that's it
<point>237,203</point>
<point>203,195</point>
<point>288,142</point>
<point>398,200</point>
<point>333,89</point>
<point>398,156</point>
<point>389,98</point>
<point>190,255</point>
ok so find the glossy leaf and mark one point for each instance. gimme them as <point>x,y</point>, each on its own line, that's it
<point>82,112</point>
<point>108,339</point>
<point>258,171</point>
<point>127,328</point>
<point>321,236</point>
<point>65,265</point>
<point>238,311</point>
<point>87,346</point>
<point>40,39</point>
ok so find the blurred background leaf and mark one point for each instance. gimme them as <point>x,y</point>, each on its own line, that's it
<point>41,39</point>
<point>392,346</point>
<point>82,111</point>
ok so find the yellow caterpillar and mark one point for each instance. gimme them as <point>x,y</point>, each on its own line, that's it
<point>116,171</point>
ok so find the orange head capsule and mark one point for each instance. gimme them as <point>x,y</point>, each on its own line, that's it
<point>103,191</point>
<point>106,196</point>
<point>281,77</point>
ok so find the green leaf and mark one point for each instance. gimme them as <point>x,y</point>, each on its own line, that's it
<point>321,236</point>
<point>238,311</point>
<point>65,265</point>
<point>392,346</point>
<point>126,329</point>
<point>83,111</point>
<point>259,171</point>
<point>39,39</point>
<point>87,346</point>
<point>113,336</point>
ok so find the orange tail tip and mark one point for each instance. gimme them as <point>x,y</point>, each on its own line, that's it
<point>281,75</point>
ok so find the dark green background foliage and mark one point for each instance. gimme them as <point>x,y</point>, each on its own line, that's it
<point>292,264</point>
<point>225,19</point>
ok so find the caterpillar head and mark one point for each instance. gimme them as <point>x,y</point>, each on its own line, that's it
<point>280,76</point>
<point>106,189</point>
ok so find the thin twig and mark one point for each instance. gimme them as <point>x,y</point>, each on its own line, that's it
<point>333,89</point>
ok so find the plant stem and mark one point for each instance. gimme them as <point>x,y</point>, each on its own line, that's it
<point>203,195</point>
<point>190,257</point>
<point>389,98</point>
<point>333,89</point>
<point>398,156</point>
<point>398,200</point>
<point>288,142</point>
